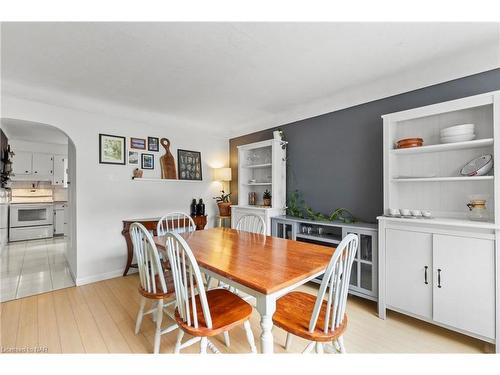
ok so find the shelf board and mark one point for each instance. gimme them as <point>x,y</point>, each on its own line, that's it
<point>456,222</point>
<point>163,180</point>
<point>320,238</point>
<point>258,183</point>
<point>443,179</point>
<point>258,166</point>
<point>444,147</point>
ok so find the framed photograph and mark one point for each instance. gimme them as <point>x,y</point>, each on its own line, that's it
<point>153,144</point>
<point>189,165</point>
<point>148,161</point>
<point>138,143</point>
<point>112,149</point>
<point>133,157</point>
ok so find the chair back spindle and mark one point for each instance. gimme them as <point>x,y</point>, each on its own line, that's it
<point>251,223</point>
<point>187,279</point>
<point>148,259</point>
<point>177,222</point>
<point>335,285</point>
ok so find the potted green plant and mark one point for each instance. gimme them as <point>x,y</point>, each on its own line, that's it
<point>267,198</point>
<point>224,204</point>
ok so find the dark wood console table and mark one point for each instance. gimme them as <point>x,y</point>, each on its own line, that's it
<point>150,224</point>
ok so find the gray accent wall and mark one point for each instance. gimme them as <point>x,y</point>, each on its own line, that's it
<point>335,159</point>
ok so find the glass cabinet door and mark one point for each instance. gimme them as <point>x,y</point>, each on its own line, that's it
<point>284,230</point>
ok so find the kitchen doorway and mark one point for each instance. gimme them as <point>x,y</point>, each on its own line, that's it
<point>39,253</point>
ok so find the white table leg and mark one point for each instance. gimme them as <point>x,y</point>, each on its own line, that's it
<point>266,306</point>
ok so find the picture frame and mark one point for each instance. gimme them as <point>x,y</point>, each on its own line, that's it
<point>147,161</point>
<point>138,143</point>
<point>133,157</point>
<point>153,144</point>
<point>112,149</point>
<point>189,165</point>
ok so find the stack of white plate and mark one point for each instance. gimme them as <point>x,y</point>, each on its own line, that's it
<point>458,133</point>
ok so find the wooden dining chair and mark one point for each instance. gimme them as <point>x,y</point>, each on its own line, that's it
<point>314,318</point>
<point>175,221</point>
<point>201,313</point>
<point>251,223</point>
<point>156,283</point>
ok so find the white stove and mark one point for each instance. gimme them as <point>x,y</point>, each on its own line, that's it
<point>31,214</point>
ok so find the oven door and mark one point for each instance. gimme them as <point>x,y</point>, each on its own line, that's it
<point>28,215</point>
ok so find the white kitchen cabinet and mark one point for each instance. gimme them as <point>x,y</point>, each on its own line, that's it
<point>464,283</point>
<point>43,166</point>
<point>60,165</point>
<point>409,271</point>
<point>22,163</point>
<point>60,218</point>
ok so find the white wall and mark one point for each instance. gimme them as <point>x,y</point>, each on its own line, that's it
<point>49,148</point>
<point>106,194</point>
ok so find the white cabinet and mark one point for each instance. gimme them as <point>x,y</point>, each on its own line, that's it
<point>464,283</point>
<point>60,165</point>
<point>43,166</point>
<point>409,271</point>
<point>265,213</point>
<point>60,218</point>
<point>22,163</point>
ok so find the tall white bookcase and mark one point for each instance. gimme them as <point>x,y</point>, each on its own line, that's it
<point>261,166</point>
<point>446,269</point>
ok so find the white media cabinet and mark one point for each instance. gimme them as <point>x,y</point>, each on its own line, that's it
<point>364,275</point>
<point>444,270</point>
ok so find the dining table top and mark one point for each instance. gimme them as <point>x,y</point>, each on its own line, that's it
<point>263,263</point>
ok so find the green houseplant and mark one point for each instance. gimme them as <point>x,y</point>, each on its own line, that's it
<point>224,203</point>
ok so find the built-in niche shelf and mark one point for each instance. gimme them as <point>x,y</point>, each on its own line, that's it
<point>444,179</point>
<point>162,180</point>
<point>478,143</point>
<point>258,184</point>
<point>267,165</point>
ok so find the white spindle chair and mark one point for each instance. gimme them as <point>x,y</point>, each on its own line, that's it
<point>201,313</point>
<point>177,222</point>
<point>251,223</point>
<point>328,320</point>
<point>154,284</point>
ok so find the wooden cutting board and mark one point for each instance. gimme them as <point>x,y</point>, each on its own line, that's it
<point>167,162</point>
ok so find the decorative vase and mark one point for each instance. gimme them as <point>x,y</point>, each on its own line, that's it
<point>193,207</point>
<point>200,208</point>
<point>224,208</point>
<point>267,201</point>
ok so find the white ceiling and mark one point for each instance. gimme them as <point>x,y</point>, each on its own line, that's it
<point>32,131</point>
<point>239,77</point>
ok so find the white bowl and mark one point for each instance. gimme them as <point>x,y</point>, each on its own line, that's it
<point>458,138</point>
<point>478,167</point>
<point>457,129</point>
<point>452,134</point>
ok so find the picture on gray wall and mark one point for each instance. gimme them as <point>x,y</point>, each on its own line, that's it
<point>189,165</point>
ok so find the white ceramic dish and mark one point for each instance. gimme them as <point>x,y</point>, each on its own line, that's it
<point>478,167</point>
<point>458,138</point>
<point>457,130</point>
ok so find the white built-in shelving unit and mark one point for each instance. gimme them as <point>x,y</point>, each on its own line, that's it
<point>444,270</point>
<point>261,167</point>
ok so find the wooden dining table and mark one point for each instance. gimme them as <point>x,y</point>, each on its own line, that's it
<point>262,266</point>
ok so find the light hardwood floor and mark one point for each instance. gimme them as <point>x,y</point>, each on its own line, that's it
<point>100,317</point>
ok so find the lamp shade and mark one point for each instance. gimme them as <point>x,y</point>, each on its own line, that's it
<point>222,174</point>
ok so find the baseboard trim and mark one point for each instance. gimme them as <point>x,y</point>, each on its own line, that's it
<point>100,277</point>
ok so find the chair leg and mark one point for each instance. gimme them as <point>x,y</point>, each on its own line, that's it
<point>309,347</point>
<point>180,335</point>
<point>159,318</point>
<point>289,339</point>
<point>319,348</point>
<point>203,345</point>
<point>227,340</point>
<point>340,341</point>
<point>140,315</point>
<point>250,338</point>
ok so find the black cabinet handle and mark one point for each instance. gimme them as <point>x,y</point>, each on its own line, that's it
<point>425,275</point>
<point>439,277</point>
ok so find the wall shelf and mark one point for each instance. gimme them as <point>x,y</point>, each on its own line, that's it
<point>165,180</point>
<point>267,165</point>
<point>478,143</point>
<point>258,184</point>
<point>444,179</point>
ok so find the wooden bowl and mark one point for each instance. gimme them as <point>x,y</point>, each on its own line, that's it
<point>409,142</point>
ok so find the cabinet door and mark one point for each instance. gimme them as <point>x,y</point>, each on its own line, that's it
<point>464,283</point>
<point>22,163</point>
<point>43,165</point>
<point>409,271</point>
<point>59,170</point>
<point>59,221</point>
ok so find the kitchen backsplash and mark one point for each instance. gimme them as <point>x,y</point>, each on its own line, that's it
<point>60,194</point>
